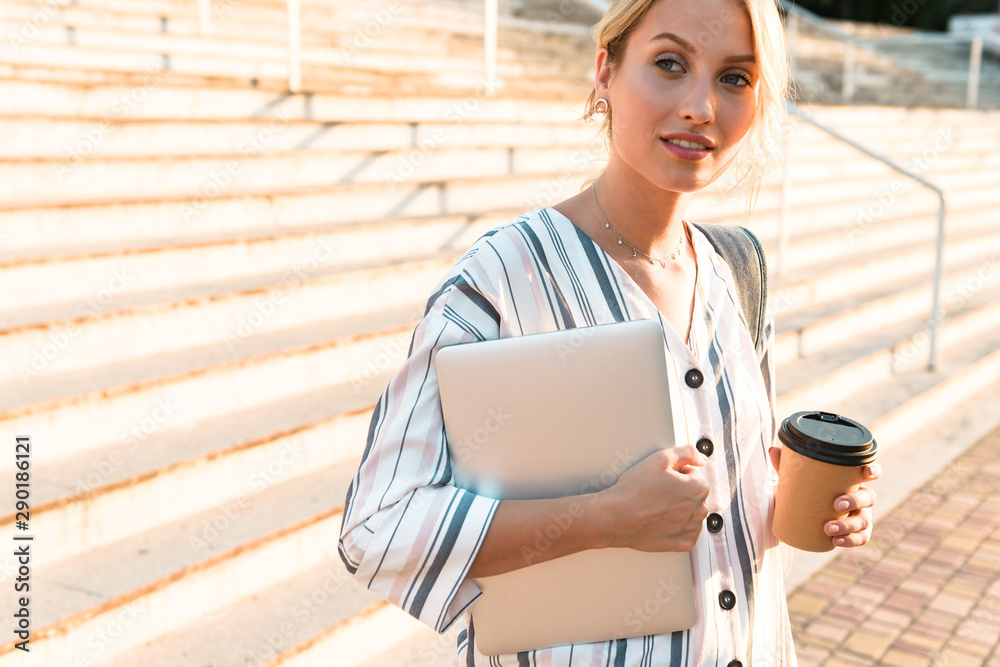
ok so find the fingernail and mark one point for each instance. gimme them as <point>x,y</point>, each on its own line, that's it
<point>841,541</point>
<point>830,528</point>
<point>842,505</point>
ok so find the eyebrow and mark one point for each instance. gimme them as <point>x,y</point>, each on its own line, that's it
<point>689,47</point>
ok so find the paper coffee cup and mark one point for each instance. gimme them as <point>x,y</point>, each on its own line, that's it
<point>823,457</point>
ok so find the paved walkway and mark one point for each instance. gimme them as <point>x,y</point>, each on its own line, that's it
<point>926,589</point>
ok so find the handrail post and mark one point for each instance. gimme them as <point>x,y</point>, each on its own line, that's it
<point>847,90</point>
<point>975,67</point>
<point>937,317</point>
<point>784,217</point>
<point>205,17</point>
<point>294,48</point>
<point>792,42</point>
<point>490,29</point>
<point>937,314</point>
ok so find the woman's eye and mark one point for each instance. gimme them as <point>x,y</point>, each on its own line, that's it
<point>669,65</point>
<point>736,79</point>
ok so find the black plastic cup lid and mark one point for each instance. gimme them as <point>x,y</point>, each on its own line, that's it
<point>828,437</point>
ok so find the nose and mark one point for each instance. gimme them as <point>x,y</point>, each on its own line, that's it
<point>698,103</point>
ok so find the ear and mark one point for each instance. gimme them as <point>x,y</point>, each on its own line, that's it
<point>602,78</point>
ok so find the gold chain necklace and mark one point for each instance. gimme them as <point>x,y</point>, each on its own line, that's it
<point>635,251</point>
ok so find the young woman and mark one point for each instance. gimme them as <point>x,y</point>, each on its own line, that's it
<point>687,89</point>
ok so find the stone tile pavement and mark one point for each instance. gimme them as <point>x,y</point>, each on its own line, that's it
<point>925,590</point>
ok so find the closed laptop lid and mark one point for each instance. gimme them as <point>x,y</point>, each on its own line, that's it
<point>557,414</point>
<point>536,416</point>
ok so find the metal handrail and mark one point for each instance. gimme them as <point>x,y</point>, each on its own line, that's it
<point>491,29</point>
<point>936,317</point>
<point>294,38</point>
<point>851,42</point>
<point>205,17</point>
<point>294,47</point>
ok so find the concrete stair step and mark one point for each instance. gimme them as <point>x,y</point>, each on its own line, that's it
<point>877,180</point>
<point>244,62</point>
<point>33,226</point>
<point>76,141</point>
<point>251,169</point>
<point>915,398</point>
<point>235,309</point>
<point>97,497</point>
<point>299,612</point>
<point>356,25</point>
<point>812,252</point>
<point>870,357</point>
<point>163,578</point>
<point>316,17</point>
<point>842,160</point>
<point>83,140</point>
<point>915,263</point>
<point>927,124</point>
<point>884,117</point>
<point>318,29</point>
<point>295,254</point>
<point>185,102</point>
<point>333,44</point>
<point>101,276</point>
<point>822,328</point>
<point>46,136</point>
<point>857,219</point>
<point>844,277</point>
<point>231,318</point>
<point>31,74</point>
<point>35,330</point>
<point>155,99</point>
<point>320,67</point>
<point>425,648</point>
<point>317,80</point>
<point>33,179</point>
<point>466,19</point>
<point>89,409</point>
<point>215,209</point>
<point>917,133</point>
<point>364,635</point>
<point>104,276</point>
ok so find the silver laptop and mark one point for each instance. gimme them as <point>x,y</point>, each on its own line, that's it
<point>557,414</point>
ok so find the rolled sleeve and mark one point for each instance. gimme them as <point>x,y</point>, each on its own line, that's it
<point>408,533</point>
<point>767,370</point>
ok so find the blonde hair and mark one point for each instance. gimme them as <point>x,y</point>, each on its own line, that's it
<point>761,149</point>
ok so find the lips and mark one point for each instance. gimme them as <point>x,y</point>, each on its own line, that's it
<point>686,150</point>
<point>688,144</point>
<point>690,141</point>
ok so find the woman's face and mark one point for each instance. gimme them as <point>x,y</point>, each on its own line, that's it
<point>688,75</point>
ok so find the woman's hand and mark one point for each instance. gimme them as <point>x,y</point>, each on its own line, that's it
<point>855,529</point>
<point>658,504</point>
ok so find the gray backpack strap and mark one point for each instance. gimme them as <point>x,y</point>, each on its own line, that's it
<point>745,257</point>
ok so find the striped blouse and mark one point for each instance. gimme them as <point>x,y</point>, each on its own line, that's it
<point>411,535</point>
